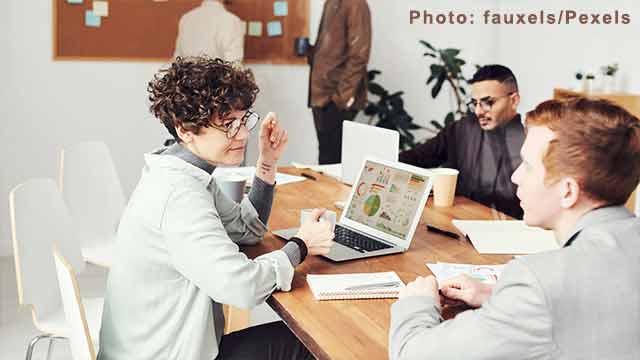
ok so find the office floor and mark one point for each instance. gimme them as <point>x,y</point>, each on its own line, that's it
<point>16,328</point>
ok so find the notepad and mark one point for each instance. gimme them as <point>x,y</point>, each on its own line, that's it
<point>506,237</point>
<point>355,286</point>
<point>484,273</point>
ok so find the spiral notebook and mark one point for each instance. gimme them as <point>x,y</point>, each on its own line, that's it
<point>355,286</point>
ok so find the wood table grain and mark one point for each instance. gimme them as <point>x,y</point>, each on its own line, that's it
<point>358,329</point>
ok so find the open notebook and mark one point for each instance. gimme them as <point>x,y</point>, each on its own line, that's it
<point>355,286</point>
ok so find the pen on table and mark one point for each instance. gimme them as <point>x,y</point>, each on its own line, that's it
<point>373,286</point>
<point>310,177</point>
<point>436,230</point>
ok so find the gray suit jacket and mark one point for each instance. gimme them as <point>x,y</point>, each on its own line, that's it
<point>579,302</point>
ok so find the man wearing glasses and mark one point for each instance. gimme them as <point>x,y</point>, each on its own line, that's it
<point>484,146</point>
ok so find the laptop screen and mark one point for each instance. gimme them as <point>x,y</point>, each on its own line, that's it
<point>387,198</point>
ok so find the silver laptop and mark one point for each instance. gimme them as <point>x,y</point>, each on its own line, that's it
<point>382,212</point>
<point>360,141</point>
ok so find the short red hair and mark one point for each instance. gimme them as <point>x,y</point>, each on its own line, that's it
<point>596,142</point>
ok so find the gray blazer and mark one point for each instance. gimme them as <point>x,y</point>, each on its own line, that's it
<point>579,302</point>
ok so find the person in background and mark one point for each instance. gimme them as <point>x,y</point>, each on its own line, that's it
<point>211,30</point>
<point>485,146</point>
<point>177,257</point>
<point>580,163</point>
<point>338,75</point>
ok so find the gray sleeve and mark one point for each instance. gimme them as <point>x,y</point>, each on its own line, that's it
<point>515,323</point>
<point>241,221</point>
<point>293,253</point>
<point>261,197</point>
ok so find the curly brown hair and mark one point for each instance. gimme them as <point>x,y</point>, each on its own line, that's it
<point>192,90</point>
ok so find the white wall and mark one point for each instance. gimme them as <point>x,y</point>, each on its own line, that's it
<point>547,56</point>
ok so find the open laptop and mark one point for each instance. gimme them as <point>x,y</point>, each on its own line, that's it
<point>382,212</point>
<point>362,140</point>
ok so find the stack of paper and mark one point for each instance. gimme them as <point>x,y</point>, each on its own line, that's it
<point>506,237</point>
<point>485,273</point>
<point>355,286</point>
<point>249,172</point>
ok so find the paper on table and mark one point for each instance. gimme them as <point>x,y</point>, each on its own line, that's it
<point>355,286</point>
<point>484,273</point>
<point>506,236</point>
<point>333,170</point>
<point>249,172</point>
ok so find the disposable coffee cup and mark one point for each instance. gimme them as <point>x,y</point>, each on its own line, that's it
<point>232,186</point>
<point>330,216</point>
<point>444,186</point>
<point>301,46</point>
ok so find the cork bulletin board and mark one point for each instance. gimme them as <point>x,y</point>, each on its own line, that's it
<point>146,30</point>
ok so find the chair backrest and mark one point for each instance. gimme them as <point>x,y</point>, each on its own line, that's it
<point>79,335</point>
<point>91,189</point>
<point>39,219</point>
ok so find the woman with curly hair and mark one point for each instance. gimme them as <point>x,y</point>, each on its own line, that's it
<point>177,257</point>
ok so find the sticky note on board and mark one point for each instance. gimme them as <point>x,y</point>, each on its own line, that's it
<point>274,28</point>
<point>101,8</point>
<point>74,1</point>
<point>280,8</point>
<point>91,20</point>
<point>255,28</point>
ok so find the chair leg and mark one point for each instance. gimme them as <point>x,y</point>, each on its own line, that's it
<point>49,348</point>
<point>33,343</point>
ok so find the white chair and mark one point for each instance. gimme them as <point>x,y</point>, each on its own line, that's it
<point>39,219</point>
<point>79,335</point>
<point>91,189</point>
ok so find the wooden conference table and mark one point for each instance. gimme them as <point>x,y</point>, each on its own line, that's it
<point>358,329</point>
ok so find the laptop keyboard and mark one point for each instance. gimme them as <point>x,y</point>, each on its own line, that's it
<point>357,241</point>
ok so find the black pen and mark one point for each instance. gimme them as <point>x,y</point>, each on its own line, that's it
<point>310,177</point>
<point>443,232</point>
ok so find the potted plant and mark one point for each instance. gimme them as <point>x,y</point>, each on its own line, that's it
<point>609,78</point>
<point>388,112</point>
<point>447,70</point>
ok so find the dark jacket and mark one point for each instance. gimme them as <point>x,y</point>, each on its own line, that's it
<point>340,56</point>
<point>458,146</point>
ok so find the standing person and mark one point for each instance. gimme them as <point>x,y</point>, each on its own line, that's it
<point>211,30</point>
<point>338,78</point>
<point>485,146</point>
<point>580,163</point>
<point>177,257</point>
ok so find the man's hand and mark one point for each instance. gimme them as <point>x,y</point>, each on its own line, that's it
<point>463,288</point>
<point>317,234</point>
<point>421,286</point>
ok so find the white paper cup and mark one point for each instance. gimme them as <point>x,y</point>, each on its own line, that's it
<point>330,216</point>
<point>232,186</point>
<point>444,186</point>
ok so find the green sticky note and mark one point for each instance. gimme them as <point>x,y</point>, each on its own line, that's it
<point>274,28</point>
<point>91,19</point>
<point>280,8</point>
<point>255,28</point>
<point>74,1</point>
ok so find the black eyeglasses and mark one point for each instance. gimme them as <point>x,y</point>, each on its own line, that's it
<point>487,102</point>
<point>249,119</point>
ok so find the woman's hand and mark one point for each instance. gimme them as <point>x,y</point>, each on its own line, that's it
<point>273,139</point>
<point>317,234</point>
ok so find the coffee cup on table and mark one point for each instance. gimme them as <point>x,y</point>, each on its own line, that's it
<point>444,186</point>
<point>232,186</point>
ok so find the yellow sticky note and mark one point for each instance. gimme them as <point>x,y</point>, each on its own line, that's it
<point>255,28</point>
<point>101,8</point>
